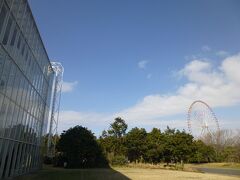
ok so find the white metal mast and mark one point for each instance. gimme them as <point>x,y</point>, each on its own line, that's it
<point>55,105</point>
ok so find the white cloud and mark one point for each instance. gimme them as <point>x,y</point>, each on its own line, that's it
<point>68,86</point>
<point>222,53</point>
<point>90,120</point>
<point>142,64</point>
<point>218,86</point>
<point>99,121</point>
<point>201,72</point>
<point>206,48</point>
<point>231,67</point>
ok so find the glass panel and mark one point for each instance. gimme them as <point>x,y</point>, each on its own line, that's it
<point>23,49</point>
<point>9,119</point>
<point>11,80</point>
<point>5,74</point>
<point>7,32</point>
<point>3,14</point>
<point>15,7</point>
<point>15,85</point>
<point>3,115</point>
<point>19,41</point>
<point>14,36</point>
<point>19,123</point>
<point>21,9</point>
<point>2,60</point>
<point>23,92</point>
<point>1,147</point>
<point>20,89</point>
<point>9,2</point>
<point>1,111</point>
<point>14,122</point>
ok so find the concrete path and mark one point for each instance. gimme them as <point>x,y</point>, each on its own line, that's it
<point>225,171</point>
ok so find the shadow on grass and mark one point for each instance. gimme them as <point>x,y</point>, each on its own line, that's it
<point>52,173</point>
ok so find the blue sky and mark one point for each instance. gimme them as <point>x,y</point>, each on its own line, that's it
<point>137,59</point>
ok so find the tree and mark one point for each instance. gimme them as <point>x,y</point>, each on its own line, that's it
<point>169,145</point>
<point>110,144</point>
<point>178,146</point>
<point>202,153</point>
<point>112,141</point>
<point>118,128</point>
<point>80,148</point>
<point>136,144</point>
<point>225,143</point>
<point>183,146</point>
<point>155,141</point>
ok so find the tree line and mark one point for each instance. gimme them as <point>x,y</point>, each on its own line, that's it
<point>116,146</point>
<point>138,145</point>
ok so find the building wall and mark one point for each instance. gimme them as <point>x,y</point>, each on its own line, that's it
<point>25,88</point>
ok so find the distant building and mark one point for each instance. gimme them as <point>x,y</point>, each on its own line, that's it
<point>26,79</point>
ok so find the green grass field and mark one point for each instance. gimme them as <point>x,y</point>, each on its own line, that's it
<point>118,173</point>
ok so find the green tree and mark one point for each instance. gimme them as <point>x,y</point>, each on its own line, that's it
<point>184,146</point>
<point>112,141</point>
<point>80,148</point>
<point>110,144</point>
<point>230,154</point>
<point>169,145</point>
<point>118,128</point>
<point>202,153</point>
<point>136,144</point>
<point>155,141</point>
<point>178,146</point>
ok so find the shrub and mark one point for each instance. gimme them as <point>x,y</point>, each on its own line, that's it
<point>47,160</point>
<point>119,160</point>
<point>80,148</point>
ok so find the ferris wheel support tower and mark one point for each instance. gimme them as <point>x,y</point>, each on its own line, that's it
<point>54,109</point>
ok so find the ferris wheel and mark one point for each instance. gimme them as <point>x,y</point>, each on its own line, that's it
<point>201,119</point>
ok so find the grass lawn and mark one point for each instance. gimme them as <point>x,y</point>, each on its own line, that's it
<point>124,173</point>
<point>52,173</point>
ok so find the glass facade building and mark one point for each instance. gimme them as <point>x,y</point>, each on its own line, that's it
<point>26,79</point>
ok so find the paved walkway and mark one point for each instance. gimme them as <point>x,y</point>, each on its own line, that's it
<point>225,171</point>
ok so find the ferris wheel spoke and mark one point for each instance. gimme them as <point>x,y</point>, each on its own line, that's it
<point>201,119</point>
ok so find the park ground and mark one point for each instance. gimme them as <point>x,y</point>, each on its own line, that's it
<point>125,173</point>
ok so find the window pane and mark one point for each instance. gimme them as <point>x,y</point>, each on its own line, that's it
<point>19,41</point>
<point>14,36</point>
<point>2,60</point>
<point>2,17</point>
<point>7,32</point>
<point>5,74</point>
